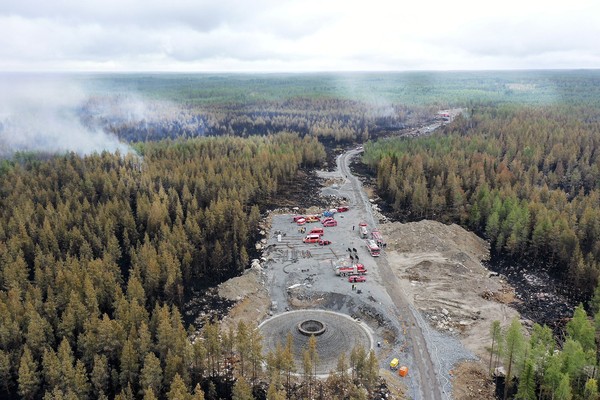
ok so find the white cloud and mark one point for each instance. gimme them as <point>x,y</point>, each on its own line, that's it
<point>270,35</point>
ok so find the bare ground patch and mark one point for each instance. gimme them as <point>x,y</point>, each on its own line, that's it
<point>471,382</point>
<point>440,269</point>
<point>250,294</point>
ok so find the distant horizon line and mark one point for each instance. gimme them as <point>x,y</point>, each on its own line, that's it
<point>101,72</point>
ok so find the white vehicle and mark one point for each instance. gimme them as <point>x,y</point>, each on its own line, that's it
<point>364,233</point>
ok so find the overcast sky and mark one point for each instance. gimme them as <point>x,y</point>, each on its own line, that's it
<point>303,35</point>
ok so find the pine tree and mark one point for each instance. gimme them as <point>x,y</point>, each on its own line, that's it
<point>178,390</point>
<point>241,390</point>
<point>28,377</point>
<point>256,353</point>
<point>243,344</point>
<point>590,391</point>
<point>5,371</point>
<point>274,394</point>
<point>313,354</point>
<point>580,329</point>
<point>514,345</point>
<point>212,391</point>
<point>80,384</point>
<point>151,374</point>
<point>372,369</point>
<point>174,365</point>
<point>129,364</point>
<point>307,367</point>
<point>287,360</point>
<point>51,368</point>
<point>149,394</point>
<point>563,391</point>
<point>198,393</point>
<point>595,300</point>
<point>526,390</point>
<point>495,333</point>
<point>100,375</point>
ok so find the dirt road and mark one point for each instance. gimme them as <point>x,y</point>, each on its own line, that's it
<point>430,383</point>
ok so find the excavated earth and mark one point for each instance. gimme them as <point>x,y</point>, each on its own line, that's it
<point>441,271</point>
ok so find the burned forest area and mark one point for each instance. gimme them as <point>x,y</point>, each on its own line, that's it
<point>164,263</point>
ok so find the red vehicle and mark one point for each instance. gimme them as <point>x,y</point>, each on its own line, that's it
<point>301,221</point>
<point>318,231</point>
<point>343,208</point>
<point>376,235</point>
<point>313,238</point>
<point>330,223</point>
<point>324,242</point>
<point>356,269</point>
<point>374,250</point>
<point>295,218</point>
<point>357,278</point>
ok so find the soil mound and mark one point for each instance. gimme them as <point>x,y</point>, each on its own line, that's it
<point>440,269</point>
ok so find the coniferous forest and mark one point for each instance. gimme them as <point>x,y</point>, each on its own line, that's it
<point>98,253</point>
<point>527,179</point>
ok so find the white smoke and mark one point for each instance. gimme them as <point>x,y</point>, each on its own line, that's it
<point>40,113</point>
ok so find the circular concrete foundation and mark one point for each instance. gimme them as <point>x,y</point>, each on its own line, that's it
<point>336,333</point>
<point>311,327</point>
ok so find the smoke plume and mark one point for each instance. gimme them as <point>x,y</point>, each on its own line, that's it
<point>40,113</point>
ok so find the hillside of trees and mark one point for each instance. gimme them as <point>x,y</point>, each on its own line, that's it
<point>97,255</point>
<point>527,179</point>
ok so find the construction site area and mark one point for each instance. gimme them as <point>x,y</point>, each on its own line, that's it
<point>422,298</point>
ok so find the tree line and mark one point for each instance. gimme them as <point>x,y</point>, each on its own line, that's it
<point>527,179</point>
<point>331,119</point>
<point>98,253</point>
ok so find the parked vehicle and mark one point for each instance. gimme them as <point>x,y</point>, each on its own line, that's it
<point>357,278</point>
<point>318,231</point>
<point>312,238</point>
<point>376,235</point>
<point>362,230</point>
<point>295,218</point>
<point>330,223</point>
<point>343,208</point>
<point>374,250</point>
<point>356,269</point>
<point>324,242</point>
<point>301,221</point>
<point>312,218</point>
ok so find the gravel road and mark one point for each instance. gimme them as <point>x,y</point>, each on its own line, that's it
<point>403,310</point>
